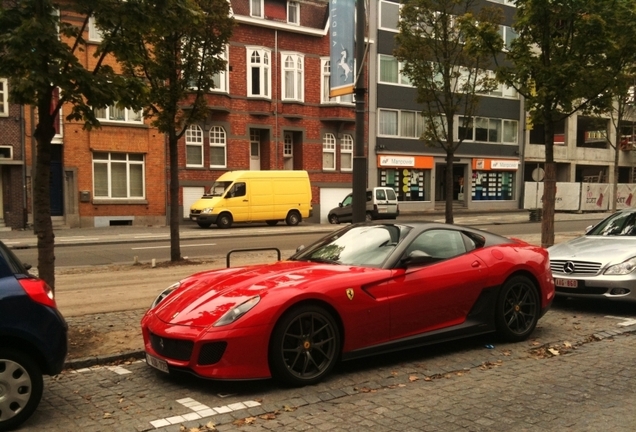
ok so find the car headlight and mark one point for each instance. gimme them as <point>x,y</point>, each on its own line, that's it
<point>207,210</point>
<point>237,311</point>
<point>626,267</point>
<point>165,294</point>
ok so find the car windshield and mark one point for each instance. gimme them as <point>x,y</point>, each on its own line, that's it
<point>219,187</point>
<point>363,245</point>
<point>619,224</point>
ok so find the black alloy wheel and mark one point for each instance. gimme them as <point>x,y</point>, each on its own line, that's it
<point>333,219</point>
<point>518,308</point>
<point>305,346</point>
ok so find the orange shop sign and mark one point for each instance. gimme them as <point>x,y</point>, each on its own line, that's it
<point>405,161</point>
<point>495,164</point>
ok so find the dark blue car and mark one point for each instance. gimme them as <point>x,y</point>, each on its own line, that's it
<point>33,339</point>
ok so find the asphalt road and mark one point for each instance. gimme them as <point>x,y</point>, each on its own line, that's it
<point>212,244</point>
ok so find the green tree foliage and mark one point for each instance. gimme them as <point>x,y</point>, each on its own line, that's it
<point>39,46</point>
<point>445,49</point>
<point>566,58</point>
<point>177,47</point>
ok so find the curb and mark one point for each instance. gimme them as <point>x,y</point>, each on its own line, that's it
<point>87,362</point>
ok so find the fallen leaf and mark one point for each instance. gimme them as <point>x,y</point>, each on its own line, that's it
<point>268,416</point>
<point>413,378</point>
<point>288,408</point>
<point>107,415</point>
<point>567,344</point>
<point>554,351</point>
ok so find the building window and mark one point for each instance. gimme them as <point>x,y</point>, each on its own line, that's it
<point>293,77</point>
<point>391,71</point>
<point>117,114</point>
<point>118,175</point>
<point>346,153</point>
<point>508,35</point>
<point>194,146</point>
<point>400,123</point>
<point>218,147</point>
<point>4,97</point>
<point>94,33</point>
<point>329,152</point>
<point>389,15</point>
<point>490,130</point>
<point>293,13</point>
<point>256,8</point>
<point>288,146</point>
<point>258,78</point>
<point>220,77</point>
<point>326,75</point>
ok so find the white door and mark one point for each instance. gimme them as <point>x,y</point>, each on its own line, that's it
<point>255,150</point>
<point>190,196</point>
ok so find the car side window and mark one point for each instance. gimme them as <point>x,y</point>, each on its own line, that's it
<point>439,243</point>
<point>238,190</point>
<point>347,201</point>
<point>380,195</point>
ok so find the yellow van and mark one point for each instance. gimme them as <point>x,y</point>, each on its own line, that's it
<point>255,196</point>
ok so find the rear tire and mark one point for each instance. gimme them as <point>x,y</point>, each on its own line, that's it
<point>333,219</point>
<point>368,217</point>
<point>304,346</point>
<point>518,308</point>
<point>21,386</point>
<point>293,218</point>
<point>224,220</point>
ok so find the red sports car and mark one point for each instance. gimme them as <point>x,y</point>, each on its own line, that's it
<point>362,290</point>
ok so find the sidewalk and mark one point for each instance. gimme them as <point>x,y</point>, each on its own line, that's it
<point>188,230</point>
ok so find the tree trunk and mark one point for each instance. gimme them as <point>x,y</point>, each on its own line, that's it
<point>175,247</point>
<point>42,225</point>
<point>616,156</point>
<point>549,186</point>
<point>448,185</point>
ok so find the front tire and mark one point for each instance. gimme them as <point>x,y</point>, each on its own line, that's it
<point>21,387</point>
<point>304,346</point>
<point>224,220</point>
<point>518,309</point>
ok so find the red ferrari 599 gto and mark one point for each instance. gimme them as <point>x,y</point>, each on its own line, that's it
<point>362,290</point>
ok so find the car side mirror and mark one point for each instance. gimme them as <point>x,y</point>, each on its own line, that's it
<point>27,266</point>
<point>589,228</point>
<point>417,257</point>
<point>299,248</point>
<point>340,205</point>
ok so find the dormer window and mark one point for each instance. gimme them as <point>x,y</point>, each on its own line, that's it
<point>293,13</point>
<point>256,8</point>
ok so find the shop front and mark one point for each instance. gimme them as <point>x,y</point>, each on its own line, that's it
<point>411,177</point>
<point>494,180</point>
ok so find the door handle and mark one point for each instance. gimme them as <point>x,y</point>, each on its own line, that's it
<point>475,264</point>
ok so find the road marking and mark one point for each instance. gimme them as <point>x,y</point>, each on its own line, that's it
<point>626,321</point>
<point>201,411</point>
<point>167,246</point>
<point>77,238</point>
<point>139,236</point>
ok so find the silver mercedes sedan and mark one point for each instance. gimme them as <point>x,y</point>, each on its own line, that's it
<point>601,263</point>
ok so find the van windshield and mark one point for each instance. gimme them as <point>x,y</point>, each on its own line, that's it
<point>219,187</point>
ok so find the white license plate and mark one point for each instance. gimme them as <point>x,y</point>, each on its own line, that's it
<point>157,363</point>
<point>193,218</point>
<point>566,283</point>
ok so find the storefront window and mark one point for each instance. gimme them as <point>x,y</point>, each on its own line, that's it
<point>493,185</point>
<point>409,184</point>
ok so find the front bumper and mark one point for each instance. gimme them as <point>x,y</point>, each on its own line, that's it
<point>621,288</point>
<point>203,218</point>
<point>226,353</point>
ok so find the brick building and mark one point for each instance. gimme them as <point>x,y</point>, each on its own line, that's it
<point>12,198</point>
<point>270,107</point>
<point>113,175</point>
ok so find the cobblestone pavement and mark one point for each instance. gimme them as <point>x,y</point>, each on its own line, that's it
<point>575,373</point>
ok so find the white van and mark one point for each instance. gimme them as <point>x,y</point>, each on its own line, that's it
<point>255,196</point>
<point>382,203</point>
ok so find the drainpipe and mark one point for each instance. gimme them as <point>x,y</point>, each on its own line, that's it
<point>275,101</point>
<point>24,176</point>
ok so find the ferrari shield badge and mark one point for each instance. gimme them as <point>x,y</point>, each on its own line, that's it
<point>350,293</point>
